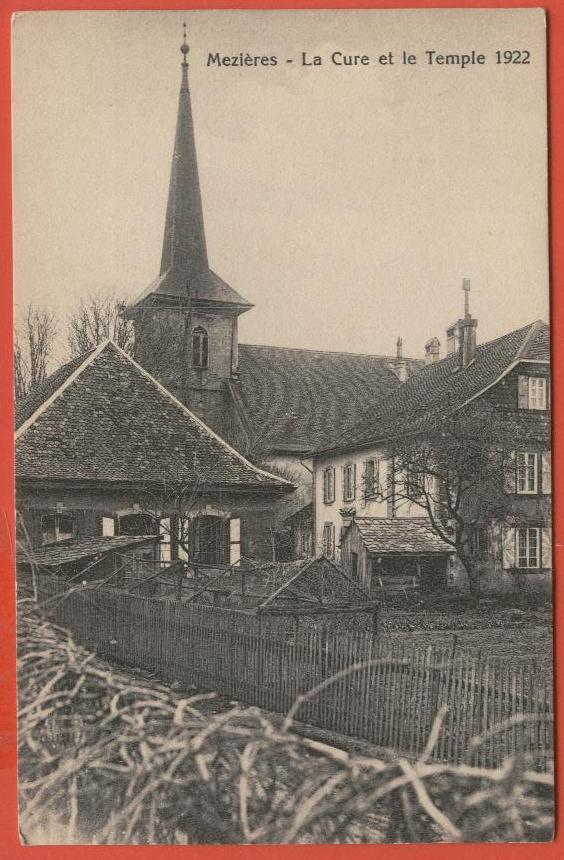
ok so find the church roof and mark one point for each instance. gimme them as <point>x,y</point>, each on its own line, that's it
<point>294,399</point>
<point>109,420</point>
<point>442,388</point>
<point>185,272</point>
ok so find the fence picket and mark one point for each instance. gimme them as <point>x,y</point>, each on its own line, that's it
<point>264,662</point>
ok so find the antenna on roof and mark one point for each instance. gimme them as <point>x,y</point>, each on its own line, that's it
<point>466,288</point>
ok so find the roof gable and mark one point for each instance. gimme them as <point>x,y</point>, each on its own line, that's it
<point>112,421</point>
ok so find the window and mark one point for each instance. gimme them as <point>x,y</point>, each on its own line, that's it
<point>329,540</point>
<point>56,527</point>
<point>200,347</point>
<point>414,483</point>
<point>210,540</point>
<point>371,479</point>
<point>527,472</point>
<point>479,543</point>
<point>528,547</point>
<point>349,482</point>
<point>532,392</point>
<point>329,485</point>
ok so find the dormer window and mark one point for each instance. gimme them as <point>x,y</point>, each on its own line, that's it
<point>532,392</point>
<point>200,347</point>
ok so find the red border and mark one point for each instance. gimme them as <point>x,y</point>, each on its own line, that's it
<point>8,810</point>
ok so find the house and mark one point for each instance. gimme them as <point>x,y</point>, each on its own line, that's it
<point>274,404</point>
<point>102,449</point>
<point>373,504</point>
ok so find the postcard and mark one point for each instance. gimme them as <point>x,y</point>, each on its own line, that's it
<point>283,441</point>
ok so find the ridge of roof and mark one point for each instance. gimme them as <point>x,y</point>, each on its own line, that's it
<point>381,356</point>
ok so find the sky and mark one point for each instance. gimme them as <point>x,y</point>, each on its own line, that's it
<point>346,203</point>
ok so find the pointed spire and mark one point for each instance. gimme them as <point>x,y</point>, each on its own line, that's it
<point>184,243</point>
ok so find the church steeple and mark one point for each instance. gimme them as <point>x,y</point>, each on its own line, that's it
<point>184,244</point>
<point>185,321</point>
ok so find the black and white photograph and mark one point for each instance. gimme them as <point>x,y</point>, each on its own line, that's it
<point>283,427</point>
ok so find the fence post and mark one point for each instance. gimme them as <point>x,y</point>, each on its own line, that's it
<point>375,625</point>
<point>260,663</point>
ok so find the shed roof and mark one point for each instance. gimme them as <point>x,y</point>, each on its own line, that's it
<point>67,552</point>
<point>400,536</point>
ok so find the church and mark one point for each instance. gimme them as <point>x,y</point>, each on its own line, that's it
<point>273,404</point>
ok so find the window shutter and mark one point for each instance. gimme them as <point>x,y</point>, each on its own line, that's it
<point>234,540</point>
<point>108,526</point>
<point>510,472</point>
<point>523,396</point>
<point>546,476</point>
<point>546,548</point>
<point>509,536</point>
<point>378,476</point>
<point>353,494</point>
<point>390,481</point>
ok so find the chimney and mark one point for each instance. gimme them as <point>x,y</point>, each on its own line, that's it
<point>432,350</point>
<point>467,328</point>
<point>399,365</point>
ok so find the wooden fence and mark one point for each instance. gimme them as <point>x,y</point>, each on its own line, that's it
<point>383,690</point>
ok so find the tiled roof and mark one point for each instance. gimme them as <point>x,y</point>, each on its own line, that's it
<point>70,551</point>
<point>293,398</point>
<point>26,407</point>
<point>441,388</point>
<point>113,422</point>
<point>401,535</point>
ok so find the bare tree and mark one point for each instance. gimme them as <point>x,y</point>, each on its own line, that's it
<point>460,472</point>
<point>96,319</point>
<point>34,339</point>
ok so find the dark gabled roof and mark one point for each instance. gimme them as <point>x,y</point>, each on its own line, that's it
<point>68,552</point>
<point>441,388</point>
<point>291,399</point>
<point>114,422</point>
<point>400,536</point>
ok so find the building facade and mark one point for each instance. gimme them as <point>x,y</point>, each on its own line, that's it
<point>366,477</point>
<point>102,449</point>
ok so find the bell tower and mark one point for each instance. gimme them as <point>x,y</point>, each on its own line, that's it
<point>185,321</point>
